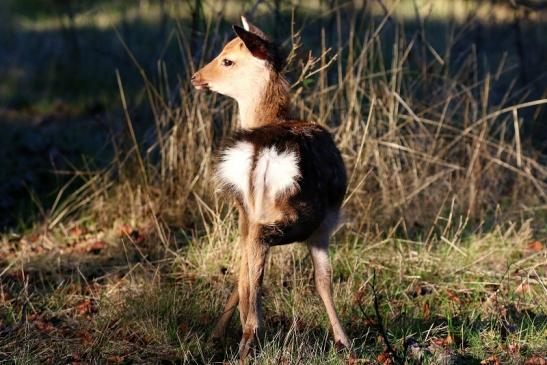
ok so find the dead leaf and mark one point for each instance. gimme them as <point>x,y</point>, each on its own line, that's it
<point>85,337</point>
<point>523,288</point>
<point>426,311</point>
<point>442,342</point>
<point>384,358</point>
<point>77,231</point>
<point>352,360</point>
<point>535,246</point>
<point>125,230</point>
<point>451,295</point>
<point>44,326</point>
<point>74,359</point>
<point>115,359</point>
<point>536,360</point>
<point>491,360</point>
<point>95,247</point>
<point>183,327</point>
<point>85,307</point>
<point>35,237</point>
<point>93,288</point>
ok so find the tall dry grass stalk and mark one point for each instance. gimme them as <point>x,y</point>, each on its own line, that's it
<point>426,150</point>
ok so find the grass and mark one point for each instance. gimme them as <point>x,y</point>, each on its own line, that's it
<point>136,301</point>
<point>445,221</point>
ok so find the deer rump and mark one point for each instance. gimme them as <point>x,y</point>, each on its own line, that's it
<point>286,177</point>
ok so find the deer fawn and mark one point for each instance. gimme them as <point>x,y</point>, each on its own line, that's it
<point>286,175</point>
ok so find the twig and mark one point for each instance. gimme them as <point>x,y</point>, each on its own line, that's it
<point>380,325</point>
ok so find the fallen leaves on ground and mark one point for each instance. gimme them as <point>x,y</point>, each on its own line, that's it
<point>513,348</point>
<point>85,337</point>
<point>183,328</point>
<point>523,288</point>
<point>94,247</point>
<point>447,341</point>
<point>86,306</point>
<point>491,360</point>
<point>385,358</point>
<point>426,310</point>
<point>535,246</point>
<point>354,360</point>
<point>134,234</point>
<point>77,231</point>
<point>536,360</point>
<point>44,326</point>
<point>453,296</point>
<point>115,359</point>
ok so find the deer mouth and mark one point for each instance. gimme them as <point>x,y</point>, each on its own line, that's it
<point>200,85</point>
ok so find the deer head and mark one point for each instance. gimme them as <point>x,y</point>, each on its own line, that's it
<point>243,67</point>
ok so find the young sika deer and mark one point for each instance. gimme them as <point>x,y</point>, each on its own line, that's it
<point>286,175</point>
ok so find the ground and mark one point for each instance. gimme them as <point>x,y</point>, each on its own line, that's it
<point>95,295</point>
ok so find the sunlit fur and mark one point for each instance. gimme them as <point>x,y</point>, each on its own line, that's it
<point>261,92</point>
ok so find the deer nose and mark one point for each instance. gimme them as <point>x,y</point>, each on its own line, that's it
<point>198,82</point>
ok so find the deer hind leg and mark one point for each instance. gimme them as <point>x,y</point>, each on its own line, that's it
<point>256,259</point>
<point>318,246</point>
<point>222,324</point>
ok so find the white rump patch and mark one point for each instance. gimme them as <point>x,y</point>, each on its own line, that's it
<point>275,173</point>
<point>235,165</point>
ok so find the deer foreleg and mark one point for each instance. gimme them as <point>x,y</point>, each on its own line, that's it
<point>241,289</point>
<point>257,251</point>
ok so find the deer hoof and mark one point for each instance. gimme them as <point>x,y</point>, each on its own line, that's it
<point>341,346</point>
<point>247,339</point>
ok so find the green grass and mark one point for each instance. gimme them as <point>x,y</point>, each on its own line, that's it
<point>149,305</point>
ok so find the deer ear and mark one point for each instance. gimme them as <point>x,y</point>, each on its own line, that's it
<point>261,48</point>
<point>256,45</point>
<point>249,27</point>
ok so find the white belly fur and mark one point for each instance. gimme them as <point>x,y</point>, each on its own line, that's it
<point>275,173</point>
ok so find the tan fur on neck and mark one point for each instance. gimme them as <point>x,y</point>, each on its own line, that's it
<point>271,105</point>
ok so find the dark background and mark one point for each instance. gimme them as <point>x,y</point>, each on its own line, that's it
<point>59,98</point>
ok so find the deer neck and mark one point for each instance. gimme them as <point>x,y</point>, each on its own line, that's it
<point>268,103</point>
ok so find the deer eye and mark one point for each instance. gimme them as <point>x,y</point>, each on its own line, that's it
<point>227,63</point>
